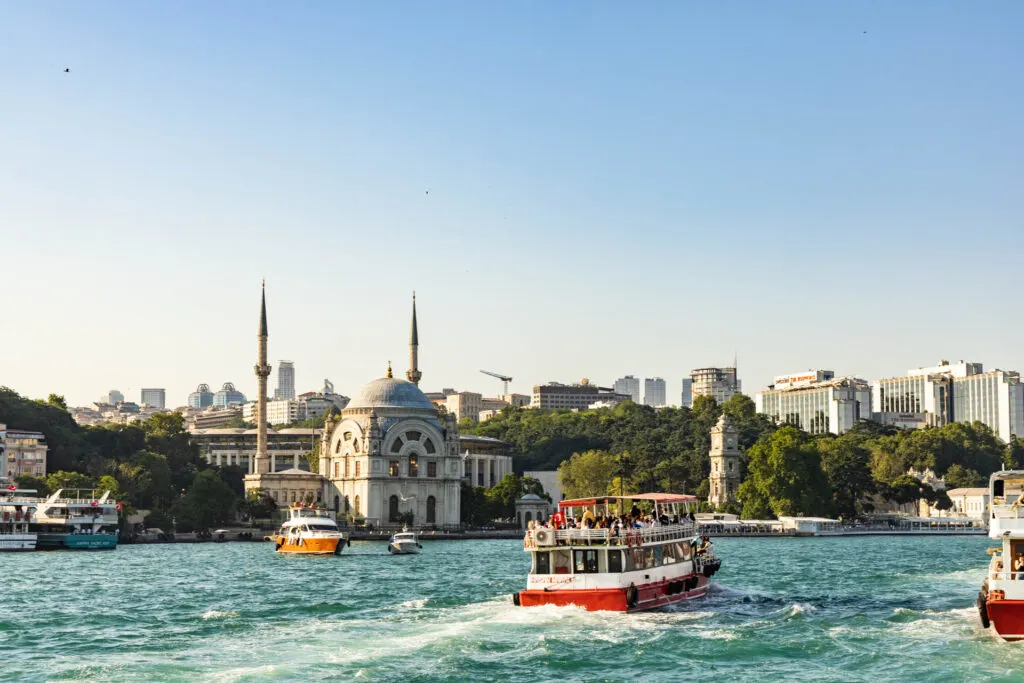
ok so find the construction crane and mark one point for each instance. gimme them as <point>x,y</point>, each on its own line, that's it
<point>503,378</point>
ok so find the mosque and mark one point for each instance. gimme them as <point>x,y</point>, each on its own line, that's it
<point>389,458</point>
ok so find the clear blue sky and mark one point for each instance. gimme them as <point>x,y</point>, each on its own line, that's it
<point>614,188</point>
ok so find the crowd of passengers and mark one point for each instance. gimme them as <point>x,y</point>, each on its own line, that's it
<point>616,523</point>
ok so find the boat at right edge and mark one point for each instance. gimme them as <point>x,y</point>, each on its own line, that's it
<point>1001,600</point>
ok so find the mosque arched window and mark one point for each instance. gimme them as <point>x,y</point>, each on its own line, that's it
<point>429,445</point>
<point>431,510</point>
<point>357,468</point>
<point>337,447</point>
<point>396,447</point>
<point>393,468</point>
<point>414,465</point>
<point>346,466</point>
<point>337,469</point>
<point>337,501</point>
<point>393,509</point>
<point>355,445</point>
<point>355,510</point>
<point>347,436</point>
<point>413,436</point>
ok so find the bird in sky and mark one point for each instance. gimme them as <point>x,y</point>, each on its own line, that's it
<point>67,71</point>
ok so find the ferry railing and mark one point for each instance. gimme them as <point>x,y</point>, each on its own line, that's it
<point>624,537</point>
<point>1007,576</point>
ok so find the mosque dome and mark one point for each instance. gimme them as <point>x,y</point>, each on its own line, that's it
<point>389,392</point>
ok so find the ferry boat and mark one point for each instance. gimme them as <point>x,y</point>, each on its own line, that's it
<point>404,543</point>
<point>656,558</point>
<point>16,512</point>
<point>1001,600</point>
<point>309,530</point>
<point>77,519</point>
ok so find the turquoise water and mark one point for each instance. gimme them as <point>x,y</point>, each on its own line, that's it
<point>831,609</point>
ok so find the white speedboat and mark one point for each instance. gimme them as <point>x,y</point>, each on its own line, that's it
<point>404,543</point>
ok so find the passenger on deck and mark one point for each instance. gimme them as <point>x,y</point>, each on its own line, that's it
<point>588,516</point>
<point>1018,566</point>
<point>705,543</point>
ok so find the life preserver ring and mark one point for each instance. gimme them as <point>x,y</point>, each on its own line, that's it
<point>983,610</point>
<point>94,504</point>
<point>632,595</point>
<point>515,600</point>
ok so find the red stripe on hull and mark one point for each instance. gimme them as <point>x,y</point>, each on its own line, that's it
<point>649,596</point>
<point>1007,617</point>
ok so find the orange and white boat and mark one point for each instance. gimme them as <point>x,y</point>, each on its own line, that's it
<point>618,553</point>
<point>1001,601</point>
<point>309,531</point>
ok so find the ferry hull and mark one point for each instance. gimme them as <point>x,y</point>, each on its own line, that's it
<point>649,596</point>
<point>309,546</point>
<point>1007,618</point>
<point>15,542</point>
<point>57,541</point>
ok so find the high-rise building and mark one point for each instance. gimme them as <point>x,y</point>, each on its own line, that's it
<point>952,392</point>
<point>630,386</point>
<point>154,398</point>
<point>202,397</point>
<point>816,401</point>
<point>113,397</point>
<point>228,396</point>
<point>718,383</point>
<point>654,392</point>
<point>686,400</point>
<point>285,380</point>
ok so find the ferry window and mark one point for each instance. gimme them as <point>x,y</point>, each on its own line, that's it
<point>683,551</point>
<point>393,468</point>
<point>649,558</point>
<point>543,563</point>
<point>614,561</point>
<point>561,560</point>
<point>658,556</point>
<point>585,561</point>
<point>431,468</point>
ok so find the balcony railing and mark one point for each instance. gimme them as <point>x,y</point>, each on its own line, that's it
<point>623,537</point>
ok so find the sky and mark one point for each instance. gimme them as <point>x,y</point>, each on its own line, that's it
<point>573,190</point>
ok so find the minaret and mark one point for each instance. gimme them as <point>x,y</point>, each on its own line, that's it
<point>414,373</point>
<point>262,370</point>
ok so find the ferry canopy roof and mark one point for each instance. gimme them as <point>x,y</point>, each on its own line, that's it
<point>658,498</point>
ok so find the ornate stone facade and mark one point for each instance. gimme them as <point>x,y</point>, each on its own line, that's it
<point>390,455</point>
<point>725,463</point>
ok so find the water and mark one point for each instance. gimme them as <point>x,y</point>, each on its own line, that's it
<point>829,609</point>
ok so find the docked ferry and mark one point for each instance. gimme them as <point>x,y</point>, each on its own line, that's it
<point>309,530</point>
<point>1001,601</point>
<point>16,511</point>
<point>77,519</point>
<point>618,553</point>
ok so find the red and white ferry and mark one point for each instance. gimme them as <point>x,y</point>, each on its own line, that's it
<point>655,559</point>
<point>1001,601</point>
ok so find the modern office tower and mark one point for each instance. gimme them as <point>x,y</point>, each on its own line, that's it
<point>202,397</point>
<point>285,380</point>
<point>630,386</point>
<point>816,401</point>
<point>154,398</point>
<point>654,392</point>
<point>718,383</point>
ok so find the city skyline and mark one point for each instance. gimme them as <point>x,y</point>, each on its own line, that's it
<point>806,187</point>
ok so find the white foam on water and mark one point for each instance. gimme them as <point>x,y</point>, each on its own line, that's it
<point>419,603</point>
<point>801,608</point>
<point>240,673</point>
<point>215,614</point>
<point>717,634</point>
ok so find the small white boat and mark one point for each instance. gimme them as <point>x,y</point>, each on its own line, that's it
<point>404,543</point>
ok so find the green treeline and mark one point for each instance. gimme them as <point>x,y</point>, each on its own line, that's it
<point>151,466</point>
<point>632,448</point>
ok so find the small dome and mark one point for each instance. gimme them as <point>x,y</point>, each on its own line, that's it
<point>530,497</point>
<point>388,392</point>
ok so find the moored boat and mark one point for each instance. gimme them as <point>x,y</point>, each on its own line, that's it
<point>404,542</point>
<point>309,530</point>
<point>1001,600</point>
<point>77,520</point>
<point>16,511</point>
<point>618,553</point>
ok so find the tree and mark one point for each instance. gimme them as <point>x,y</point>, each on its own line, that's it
<point>587,474</point>
<point>258,504</point>
<point>1013,454</point>
<point>37,484</point>
<point>207,503</point>
<point>847,465</point>
<point>57,401</point>
<point>69,480</point>
<point>784,474</point>
<point>313,457</point>
<point>505,493</point>
<point>476,507</point>
<point>958,476</point>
